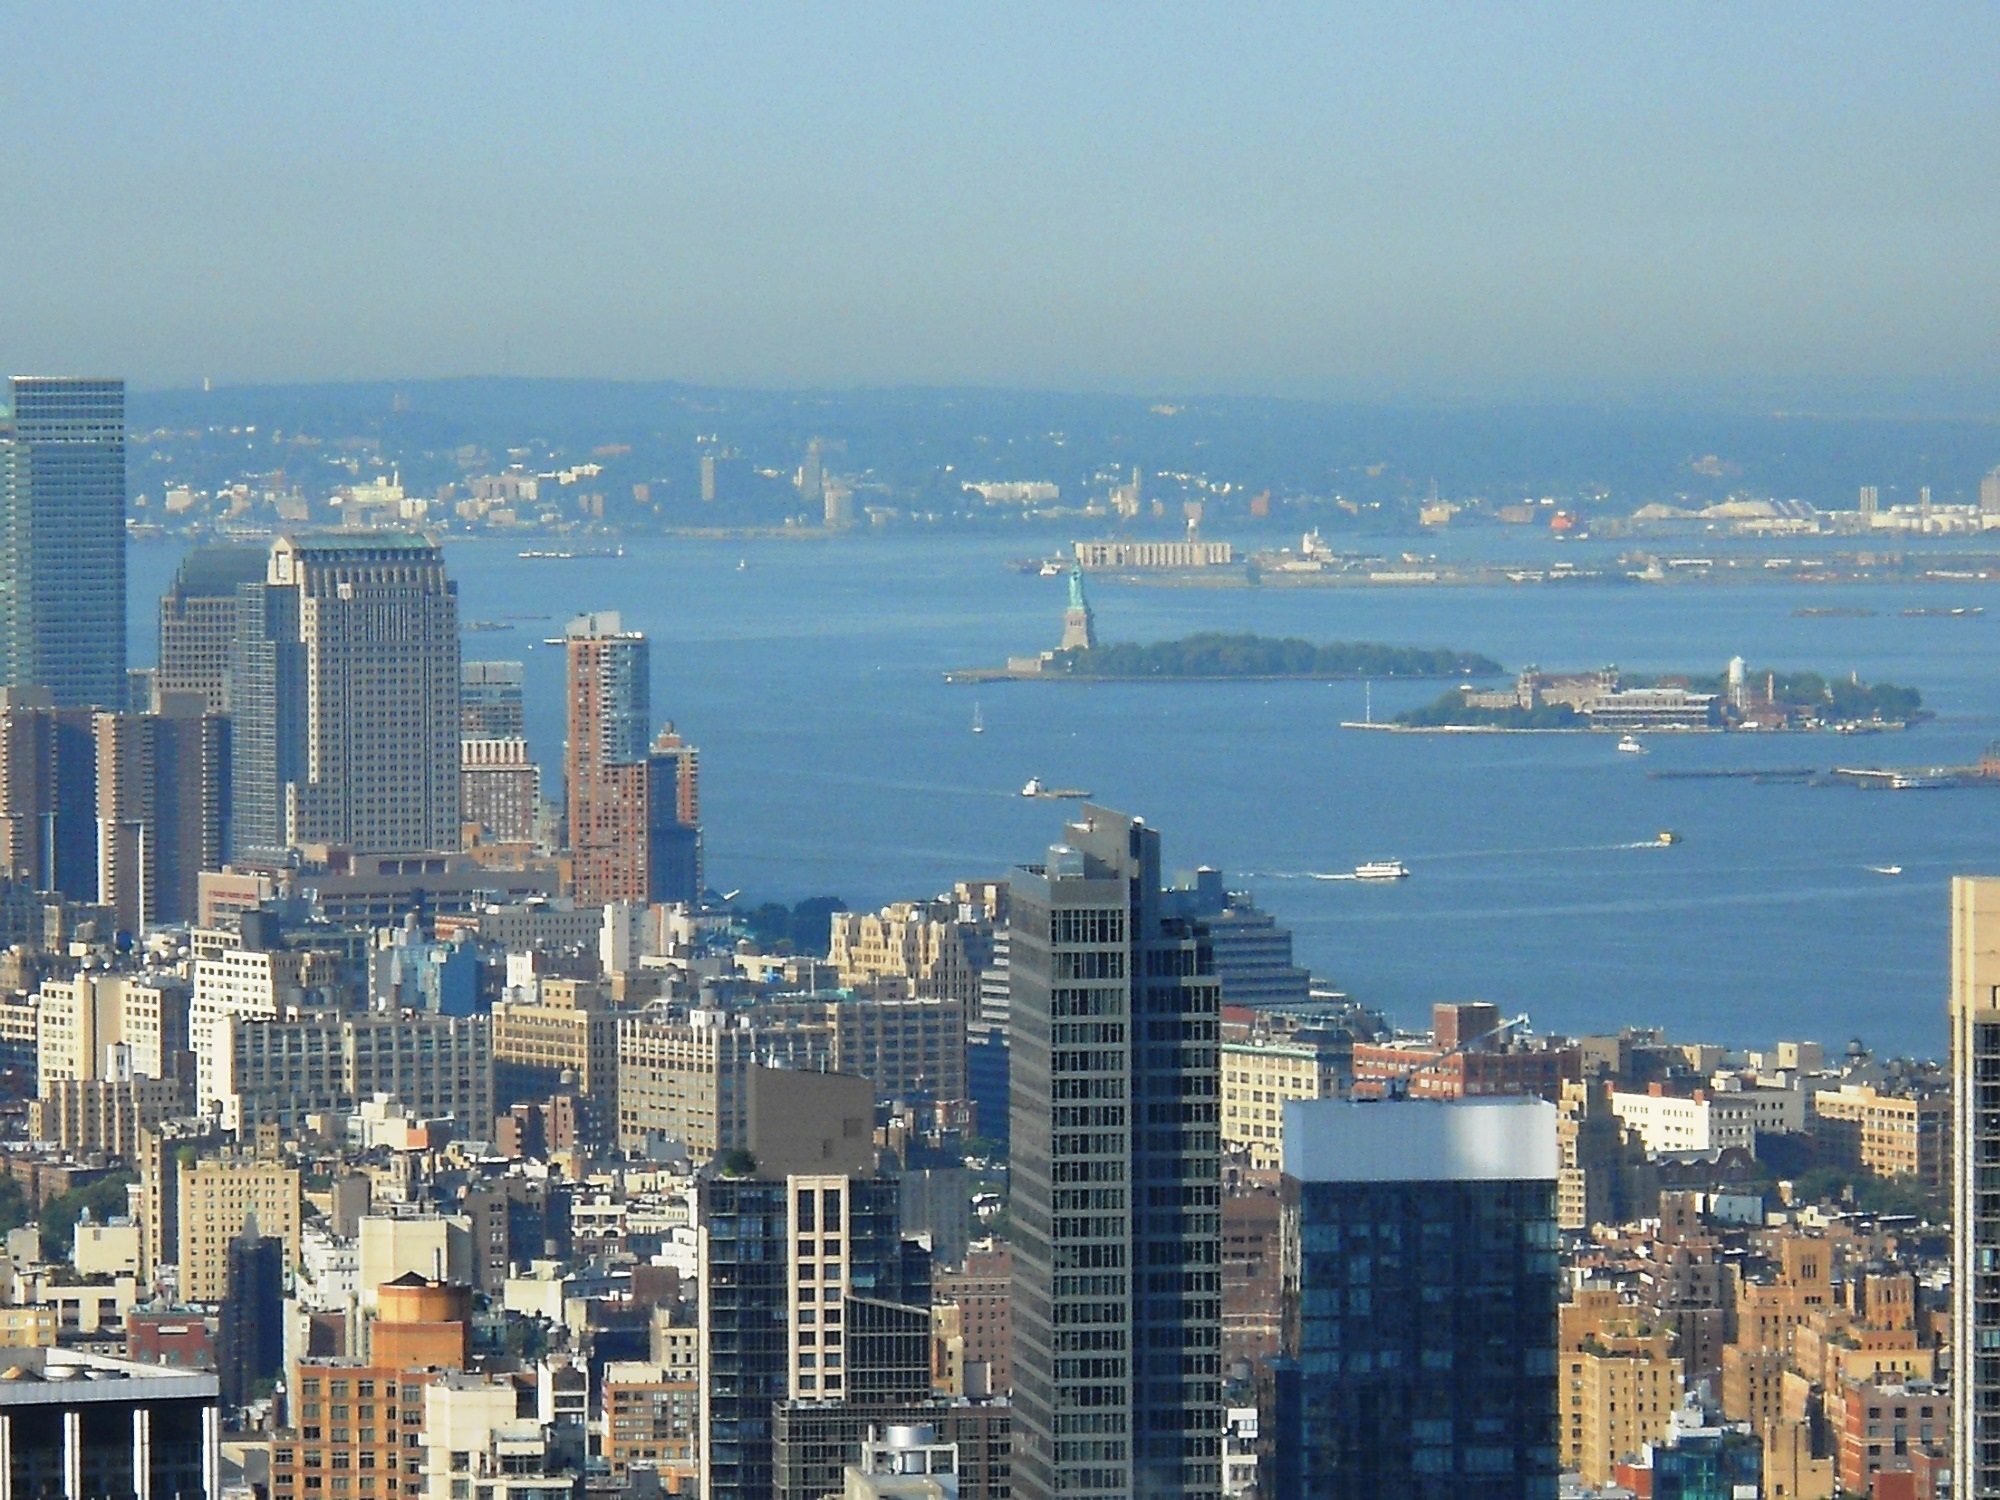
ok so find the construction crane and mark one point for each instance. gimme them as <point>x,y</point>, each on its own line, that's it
<point>1398,1087</point>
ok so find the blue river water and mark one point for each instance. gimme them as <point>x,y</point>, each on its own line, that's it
<point>836,760</point>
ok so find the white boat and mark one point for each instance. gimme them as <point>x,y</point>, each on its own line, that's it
<point>1382,869</point>
<point>1034,788</point>
<point>978,723</point>
<point>1631,746</point>
<point>1886,869</point>
<point>1052,569</point>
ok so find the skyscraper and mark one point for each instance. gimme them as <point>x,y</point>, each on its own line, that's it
<point>1115,1014</point>
<point>1975,1203</point>
<point>198,622</point>
<point>346,697</point>
<point>605,769</point>
<point>62,540</point>
<point>162,809</point>
<point>1419,1344</point>
<point>48,794</point>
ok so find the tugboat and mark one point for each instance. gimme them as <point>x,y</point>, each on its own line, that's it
<point>1034,788</point>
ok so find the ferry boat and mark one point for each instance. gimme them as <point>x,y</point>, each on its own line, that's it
<point>1886,869</point>
<point>1382,869</point>
<point>1631,746</point>
<point>978,723</point>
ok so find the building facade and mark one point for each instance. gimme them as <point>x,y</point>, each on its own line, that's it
<point>1116,1172</point>
<point>500,790</point>
<point>346,698</point>
<point>1420,1304</point>
<point>62,540</point>
<point>1975,1201</point>
<point>606,778</point>
<point>218,1196</point>
<point>198,623</point>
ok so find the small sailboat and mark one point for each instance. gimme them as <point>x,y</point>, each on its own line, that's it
<point>978,723</point>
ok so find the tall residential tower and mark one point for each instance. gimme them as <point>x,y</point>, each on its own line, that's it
<point>1115,1014</point>
<point>604,769</point>
<point>62,539</point>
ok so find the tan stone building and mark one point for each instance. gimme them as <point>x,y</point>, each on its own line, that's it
<point>85,1021</point>
<point>217,1194</point>
<point>1266,1064</point>
<point>909,1047</point>
<point>688,1081</point>
<point>1858,1126</point>
<point>1619,1386</point>
<point>933,948</point>
<point>85,1115</point>
<point>1605,1177</point>
<point>570,1033</point>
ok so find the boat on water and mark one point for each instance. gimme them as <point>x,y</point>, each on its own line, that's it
<point>1053,568</point>
<point>1036,787</point>
<point>1382,869</point>
<point>1667,836</point>
<point>568,554</point>
<point>1631,746</point>
<point>978,723</point>
<point>1886,869</point>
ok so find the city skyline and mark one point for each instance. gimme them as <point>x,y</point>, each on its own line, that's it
<point>1516,520</point>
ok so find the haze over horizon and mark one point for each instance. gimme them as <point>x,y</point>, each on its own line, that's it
<point>1417,204</point>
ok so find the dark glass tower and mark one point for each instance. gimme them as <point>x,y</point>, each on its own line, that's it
<point>250,1331</point>
<point>1116,1194</point>
<point>62,539</point>
<point>1420,1304</point>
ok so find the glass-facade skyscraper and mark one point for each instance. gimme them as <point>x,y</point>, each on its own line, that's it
<point>1116,1176</point>
<point>62,539</point>
<point>1421,1283</point>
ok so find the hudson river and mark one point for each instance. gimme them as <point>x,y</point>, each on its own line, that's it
<point>836,760</point>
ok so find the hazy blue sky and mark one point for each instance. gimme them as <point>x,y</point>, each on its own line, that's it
<point>1342,198</point>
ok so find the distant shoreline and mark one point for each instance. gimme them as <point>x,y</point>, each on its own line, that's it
<point>1081,679</point>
